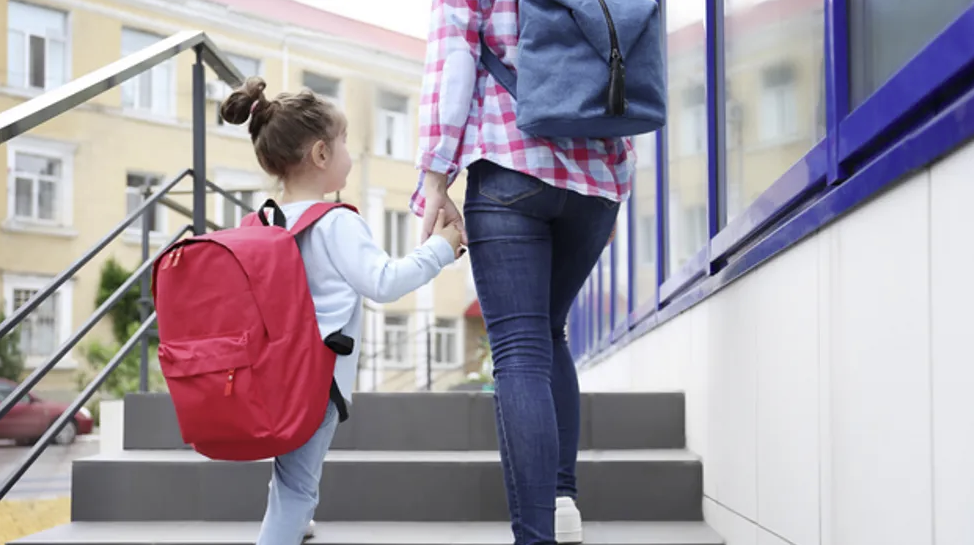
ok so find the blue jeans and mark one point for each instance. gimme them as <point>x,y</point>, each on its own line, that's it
<point>531,247</point>
<point>293,494</point>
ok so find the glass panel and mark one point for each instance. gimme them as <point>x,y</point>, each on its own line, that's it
<point>47,200</point>
<point>36,164</point>
<point>16,59</point>
<point>621,264</point>
<point>402,233</point>
<point>884,35</point>
<point>56,64</point>
<point>392,102</point>
<point>322,85</point>
<point>24,198</point>
<point>605,264</point>
<point>37,61</point>
<point>644,221</point>
<point>248,66</point>
<point>143,96</point>
<point>775,92</point>
<point>38,332</point>
<point>687,129</point>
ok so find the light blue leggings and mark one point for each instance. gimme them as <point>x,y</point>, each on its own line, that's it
<point>293,494</point>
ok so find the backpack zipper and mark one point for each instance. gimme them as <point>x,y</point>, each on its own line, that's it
<point>228,389</point>
<point>616,104</point>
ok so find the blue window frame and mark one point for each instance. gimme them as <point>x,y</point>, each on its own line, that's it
<point>783,115</point>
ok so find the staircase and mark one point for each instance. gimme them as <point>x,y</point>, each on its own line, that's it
<point>417,469</point>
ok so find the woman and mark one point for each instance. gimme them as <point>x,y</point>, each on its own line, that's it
<point>538,214</point>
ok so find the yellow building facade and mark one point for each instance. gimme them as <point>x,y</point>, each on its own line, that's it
<point>75,177</point>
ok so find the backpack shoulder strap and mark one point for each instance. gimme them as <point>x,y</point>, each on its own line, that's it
<point>497,68</point>
<point>316,212</point>
<point>258,218</point>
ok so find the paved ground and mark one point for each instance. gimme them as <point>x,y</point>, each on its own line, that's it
<point>50,476</point>
<point>41,499</point>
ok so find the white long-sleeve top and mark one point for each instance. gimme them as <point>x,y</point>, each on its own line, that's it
<point>344,264</point>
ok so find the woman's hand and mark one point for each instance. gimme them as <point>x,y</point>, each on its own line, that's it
<point>437,199</point>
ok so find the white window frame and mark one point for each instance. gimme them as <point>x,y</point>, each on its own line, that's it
<point>392,245</point>
<point>64,311</point>
<point>235,181</point>
<point>400,329</point>
<point>54,149</point>
<point>440,334</point>
<point>380,128</point>
<point>133,233</point>
<point>224,92</point>
<point>167,66</point>
<point>64,39</point>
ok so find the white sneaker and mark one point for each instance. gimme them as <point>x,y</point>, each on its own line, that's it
<point>568,521</point>
<point>309,532</point>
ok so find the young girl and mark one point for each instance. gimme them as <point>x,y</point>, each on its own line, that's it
<point>300,139</point>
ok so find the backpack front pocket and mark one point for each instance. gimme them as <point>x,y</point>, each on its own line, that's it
<point>211,382</point>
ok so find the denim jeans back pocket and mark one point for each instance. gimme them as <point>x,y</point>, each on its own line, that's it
<point>507,187</point>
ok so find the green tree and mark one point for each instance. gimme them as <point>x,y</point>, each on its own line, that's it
<point>11,359</point>
<point>125,320</point>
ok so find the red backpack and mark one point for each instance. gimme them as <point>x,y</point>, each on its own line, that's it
<point>239,345</point>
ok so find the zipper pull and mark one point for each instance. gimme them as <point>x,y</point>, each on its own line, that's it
<point>228,389</point>
<point>179,254</point>
<point>617,104</point>
<point>167,260</point>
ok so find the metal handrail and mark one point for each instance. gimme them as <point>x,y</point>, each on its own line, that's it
<point>22,311</point>
<point>26,116</point>
<point>42,443</point>
<point>8,402</point>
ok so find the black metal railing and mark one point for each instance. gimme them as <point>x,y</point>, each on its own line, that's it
<point>23,118</point>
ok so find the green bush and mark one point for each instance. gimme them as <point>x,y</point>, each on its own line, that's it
<point>11,359</point>
<point>125,322</point>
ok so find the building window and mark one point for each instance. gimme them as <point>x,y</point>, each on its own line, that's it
<point>647,239</point>
<point>445,336</point>
<point>39,181</point>
<point>392,126</point>
<point>233,214</point>
<point>135,186</point>
<point>325,86</point>
<point>396,339</point>
<point>884,35</point>
<point>152,90</point>
<point>396,233</point>
<point>779,103</point>
<point>218,90</point>
<point>693,121</point>
<point>37,46</point>
<point>48,325</point>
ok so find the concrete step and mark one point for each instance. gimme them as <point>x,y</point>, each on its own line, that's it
<point>622,485</point>
<point>445,421</point>
<point>364,533</point>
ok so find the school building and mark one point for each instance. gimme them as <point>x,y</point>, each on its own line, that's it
<point>70,180</point>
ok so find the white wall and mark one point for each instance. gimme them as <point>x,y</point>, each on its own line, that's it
<point>831,392</point>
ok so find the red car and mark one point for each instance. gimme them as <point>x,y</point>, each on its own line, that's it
<point>31,416</point>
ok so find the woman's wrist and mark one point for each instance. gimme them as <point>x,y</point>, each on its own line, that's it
<point>435,182</point>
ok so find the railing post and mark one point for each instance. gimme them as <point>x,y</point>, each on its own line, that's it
<point>199,144</point>
<point>144,300</point>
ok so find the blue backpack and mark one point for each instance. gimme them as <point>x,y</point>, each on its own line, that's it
<point>585,68</point>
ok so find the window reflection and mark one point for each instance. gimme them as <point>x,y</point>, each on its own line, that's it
<point>687,130</point>
<point>775,84</point>
<point>644,221</point>
<point>884,35</point>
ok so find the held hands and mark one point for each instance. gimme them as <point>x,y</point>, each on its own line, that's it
<point>438,204</point>
<point>449,231</point>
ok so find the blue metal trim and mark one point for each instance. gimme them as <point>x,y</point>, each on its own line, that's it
<point>836,79</point>
<point>600,294</point>
<point>910,90</point>
<point>590,334</point>
<point>937,137</point>
<point>716,180</point>
<point>642,312</point>
<point>803,178</point>
<point>691,271</point>
<point>613,282</point>
<point>662,177</point>
<point>631,250</point>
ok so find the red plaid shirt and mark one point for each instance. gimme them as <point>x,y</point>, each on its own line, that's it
<point>465,115</point>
